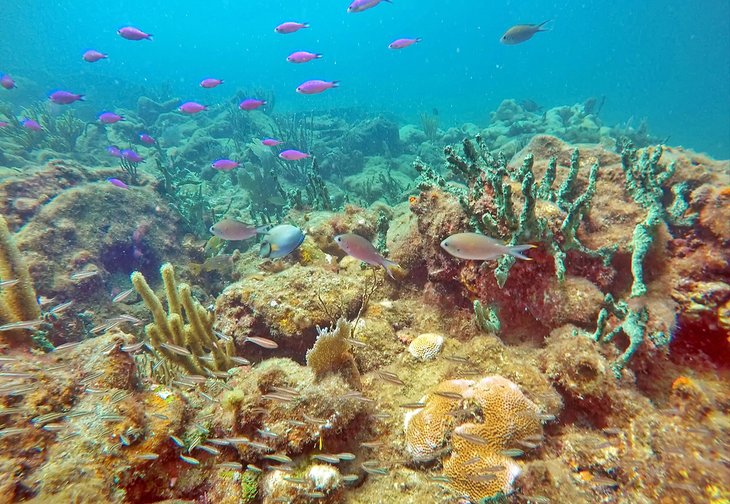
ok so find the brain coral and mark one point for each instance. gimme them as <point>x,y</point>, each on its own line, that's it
<point>479,420</point>
<point>426,346</point>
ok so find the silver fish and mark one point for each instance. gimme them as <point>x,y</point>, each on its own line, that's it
<point>478,247</point>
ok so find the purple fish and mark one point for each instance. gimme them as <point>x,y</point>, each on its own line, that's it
<point>191,108</point>
<point>145,138</point>
<point>293,155</point>
<point>290,27</point>
<point>250,104</point>
<point>7,82</point>
<point>131,156</point>
<point>4,124</point>
<point>360,248</point>
<point>92,56</point>
<point>361,5</point>
<point>302,57</point>
<point>271,142</point>
<point>65,97</point>
<point>403,42</point>
<point>31,124</point>
<point>210,83</point>
<point>316,86</point>
<point>114,151</point>
<point>118,183</point>
<point>132,33</point>
<point>110,117</point>
<point>224,164</point>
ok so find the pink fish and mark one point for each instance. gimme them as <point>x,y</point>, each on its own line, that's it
<point>230,229</point>
<point>31,124</point>
<point>302,57</point>
<point>132,33</point>
<point>118,183</point>
<point>145,138</point>
<point>4,124</point>
<point>224,165</point>
<point>7,82</point>
<point>361,5</point>
<point>271,142</point>
<point>293,155</point>
<point>210,83</point>
<point>93,56</point>
<point>478,247</point>
<point>290,27</point>
<point>110,117</point>
<point>316,86</point>
<point>191,108</point>
<point>360,248</point>
<point>251,104</point>
<point>403,42</point>
<point>64,97</point>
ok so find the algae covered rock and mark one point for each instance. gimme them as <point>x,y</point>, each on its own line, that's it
<point>287,306</point>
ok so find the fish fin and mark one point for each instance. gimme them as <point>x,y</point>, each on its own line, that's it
<point>265,250</point>
<point>273,247</point>
<point>389,267</point>
<point>516,249</point>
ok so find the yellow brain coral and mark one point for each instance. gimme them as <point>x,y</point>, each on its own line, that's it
<point>426,346</point>
<point>482,420</point>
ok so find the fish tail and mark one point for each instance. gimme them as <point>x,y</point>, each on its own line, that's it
<point>264,229</point>
<point>516,249</point>
<point>540,29</point>
<point>335,83</point>
<point>318,55</point>
<point>389,1</point>
<point>389,267</point>
<point>418,39</point>
<point>306,25</point>
<point>149,36</point>
<point>81,97</point>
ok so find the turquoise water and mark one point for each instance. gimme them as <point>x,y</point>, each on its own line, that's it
<point>668,62</point>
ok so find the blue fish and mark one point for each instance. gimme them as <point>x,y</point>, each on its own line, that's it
<point>281,241</point>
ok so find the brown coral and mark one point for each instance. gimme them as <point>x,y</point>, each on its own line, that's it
<point>482,419</point>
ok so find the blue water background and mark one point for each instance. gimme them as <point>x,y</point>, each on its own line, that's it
<point>666,61</point>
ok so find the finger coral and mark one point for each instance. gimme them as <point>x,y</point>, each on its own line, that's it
<point>186,325</point>
<point>18,301</point>
<point>482,421</point>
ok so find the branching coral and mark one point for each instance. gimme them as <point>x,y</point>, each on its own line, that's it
<point>647,183</point>
<point>487,176</point>
<point>633,324</point>
<point>331,352</point>
<point>186,325</point>
<point>17,301</point>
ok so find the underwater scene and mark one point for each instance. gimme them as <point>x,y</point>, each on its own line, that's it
<point>369,251</point>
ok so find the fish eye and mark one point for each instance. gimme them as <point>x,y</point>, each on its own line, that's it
<point>446,244</point>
